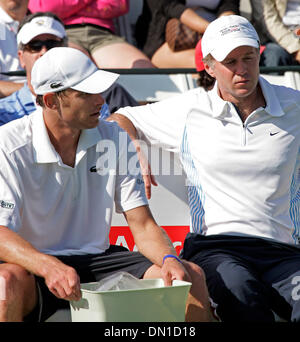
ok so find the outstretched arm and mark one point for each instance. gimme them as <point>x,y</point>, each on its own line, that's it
<point>128,126</point>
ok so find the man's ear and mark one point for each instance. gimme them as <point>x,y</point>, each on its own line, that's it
<point>209,70</point>
<point>50,100</point>
<point>20,55</point>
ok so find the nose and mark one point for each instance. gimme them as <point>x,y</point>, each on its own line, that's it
<point>241,68</point>
<point>99,100</point>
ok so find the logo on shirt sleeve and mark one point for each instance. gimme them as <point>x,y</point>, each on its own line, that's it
<point>140,181</point>
<point>6,205</point>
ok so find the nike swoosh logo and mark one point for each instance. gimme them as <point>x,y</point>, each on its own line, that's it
<point>271,133</point>
<point>94,169</point>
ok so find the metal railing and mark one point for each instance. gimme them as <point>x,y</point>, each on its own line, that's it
<point>167,71</point>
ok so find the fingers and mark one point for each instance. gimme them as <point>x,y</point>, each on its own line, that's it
<point>153,181</point>
<point>297,31</point>
<point>168,280</point>
<point>149,180</point>
<point>65,286</point>
<point>147,184</point>
<point>171,270</point>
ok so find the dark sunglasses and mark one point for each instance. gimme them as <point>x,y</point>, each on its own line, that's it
<point>37,45</point>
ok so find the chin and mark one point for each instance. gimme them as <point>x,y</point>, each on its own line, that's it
<point>93,124</point>
<point>243,92</point>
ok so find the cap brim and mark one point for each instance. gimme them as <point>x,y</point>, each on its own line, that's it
<point>34,34</point>
<point>96,83</point>
<point>221,54</point>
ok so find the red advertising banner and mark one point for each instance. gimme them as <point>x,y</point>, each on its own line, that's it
<point>121,235</point>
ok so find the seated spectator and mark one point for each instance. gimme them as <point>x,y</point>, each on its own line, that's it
<point>11,13</point>
<point>274,21</point>
<point>151,27</point>
<point>38,33</point>
<point>90,27</point>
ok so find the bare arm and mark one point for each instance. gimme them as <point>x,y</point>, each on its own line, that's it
<point>153,242</point>
<point>227,13</point>
<point>124,123</point>
<point>61,279</point>
<point>7,88</point>
<point>194,21</point>
<point>128,126</point>
<point>191,19</point>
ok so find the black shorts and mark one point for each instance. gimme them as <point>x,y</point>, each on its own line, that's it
<point>90,268</point>
<point>248,278</point>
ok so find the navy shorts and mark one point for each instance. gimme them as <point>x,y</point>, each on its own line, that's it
<point>248,278</point>
<point>90,268</point>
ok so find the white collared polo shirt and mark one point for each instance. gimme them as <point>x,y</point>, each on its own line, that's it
<point>59,209</point>
<point>243,178</point>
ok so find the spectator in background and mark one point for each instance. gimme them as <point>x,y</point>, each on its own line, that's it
<point>90,27</point>
<point>151,26</point>
<point>275,21</point>
<point>38,33</point>
<point>11,13</point>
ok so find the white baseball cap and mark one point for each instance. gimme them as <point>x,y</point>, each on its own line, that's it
<point>227,33</point>
<point>40,25</point>
<point>63,67</point>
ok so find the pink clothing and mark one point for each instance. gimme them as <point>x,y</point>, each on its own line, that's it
<point>97,12</point>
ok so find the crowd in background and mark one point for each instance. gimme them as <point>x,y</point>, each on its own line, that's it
<point>91,27</point>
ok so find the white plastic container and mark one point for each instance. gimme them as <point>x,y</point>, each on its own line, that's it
<point>152,303</point>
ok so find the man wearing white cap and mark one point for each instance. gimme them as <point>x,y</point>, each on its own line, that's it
<point>62,171</point>
<point>239,144</point>
<point>38,33</point>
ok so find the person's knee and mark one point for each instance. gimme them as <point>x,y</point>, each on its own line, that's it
<point>152,272</point>
<point>7,283</point>
<point>11,279</point>
<point>18,294</point>
<point>194,270</point>
<point>17,284</point>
